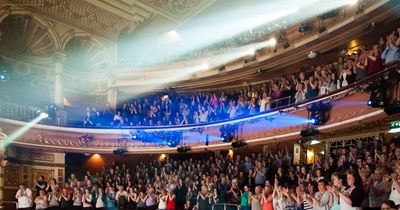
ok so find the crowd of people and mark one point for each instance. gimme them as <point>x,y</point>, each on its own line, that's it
<point>361,176</point>
<point>203,107</point>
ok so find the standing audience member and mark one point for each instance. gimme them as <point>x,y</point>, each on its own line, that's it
<point>24,197</point>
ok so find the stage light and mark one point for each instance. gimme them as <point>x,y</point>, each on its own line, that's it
<point>313,142</point>
<point>2,77</point>
<point>43,115</point>
<point>307,132</point>
<point>172,37</point>
<point>303,27</point>
<point>183,149</point>
<point>119,151</point>
<point>352,2</point>
<point>392,109</point>
<point>272,42</point>
<point>317,116</point>
<point>205,66</point>
<point>376,99</point>
<point>238,144</point>
<point>252,52</point>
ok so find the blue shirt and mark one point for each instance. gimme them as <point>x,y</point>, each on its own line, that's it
<point>391,54</point>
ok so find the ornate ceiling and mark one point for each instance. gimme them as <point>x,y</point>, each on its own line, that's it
<point>107,18</point>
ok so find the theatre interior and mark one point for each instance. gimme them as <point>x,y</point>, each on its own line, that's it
<point>200,104</point>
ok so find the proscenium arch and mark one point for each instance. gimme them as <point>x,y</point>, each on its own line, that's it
<point>37,18</point>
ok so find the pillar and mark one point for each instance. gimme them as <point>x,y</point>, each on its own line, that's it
<point>3,163</point>
<point>59,59</point>
<point>111,93</point>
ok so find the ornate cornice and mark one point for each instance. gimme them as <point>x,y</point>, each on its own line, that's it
<point>83,15</point>
<point>177,9</point>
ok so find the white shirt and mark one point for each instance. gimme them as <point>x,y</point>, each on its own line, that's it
<point>395,195</point>
<point>24,198</point>
<point>263,104</point>
<point>99,203</point>
<point>162,204</point>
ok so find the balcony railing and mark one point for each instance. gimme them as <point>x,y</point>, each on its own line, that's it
<point>27,113</point>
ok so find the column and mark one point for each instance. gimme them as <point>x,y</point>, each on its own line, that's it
<point>111,93</point>
<point>60,117</point>
<point>59,59</point>
<point>3,163</point>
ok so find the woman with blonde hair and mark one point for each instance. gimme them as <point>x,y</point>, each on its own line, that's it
<point>203,199</point>
<point>395,190</point>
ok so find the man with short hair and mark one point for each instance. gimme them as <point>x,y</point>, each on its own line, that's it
<point>391,52</point>
<point>24,197</point>
<point>259,174</point>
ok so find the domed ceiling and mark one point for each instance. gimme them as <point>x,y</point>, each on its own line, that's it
<point>84,55</point>
<point>23,36</point>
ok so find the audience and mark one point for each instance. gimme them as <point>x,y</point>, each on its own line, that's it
<point>203,107</point>
<point>348,179</point>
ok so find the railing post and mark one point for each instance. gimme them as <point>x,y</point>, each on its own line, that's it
<point>224,206</point>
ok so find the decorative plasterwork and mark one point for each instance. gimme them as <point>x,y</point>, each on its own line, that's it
<point>177,9</point>
<point>23,36</point>
<point>83,15</point>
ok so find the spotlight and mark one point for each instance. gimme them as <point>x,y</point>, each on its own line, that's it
<point>221,68</point>
<point>4,77</point>
<point>286,44</point>
<point>272,42</point>
<point>119,151</point>
<point>322,29</point>
<point>44,115</point>
<point>251,52</point>
<point>317,116</point>
<point>183,149</point>
<point>352,2</point>
<point>173,139</point>
<point>238,144</point>
<point>376,99</point>
<point>303,27</point>
<point>205,66</point>
<point>134,136</point>
<point>392,108</point>
<point>307,132</point>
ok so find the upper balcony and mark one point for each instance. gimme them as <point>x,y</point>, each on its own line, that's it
<point>345,111</point>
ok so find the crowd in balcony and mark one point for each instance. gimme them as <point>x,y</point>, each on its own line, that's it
<point>361,176</point>
<point>204,107</point>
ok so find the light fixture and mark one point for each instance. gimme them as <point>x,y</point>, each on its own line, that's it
<point>313,142</point>
<point>352,2</point>
<point>394,130</point>
<point>272,42</point>
<point>43,115</point>
<point>205,66</point>
<point>394,127</point>
<point>251,52</point>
